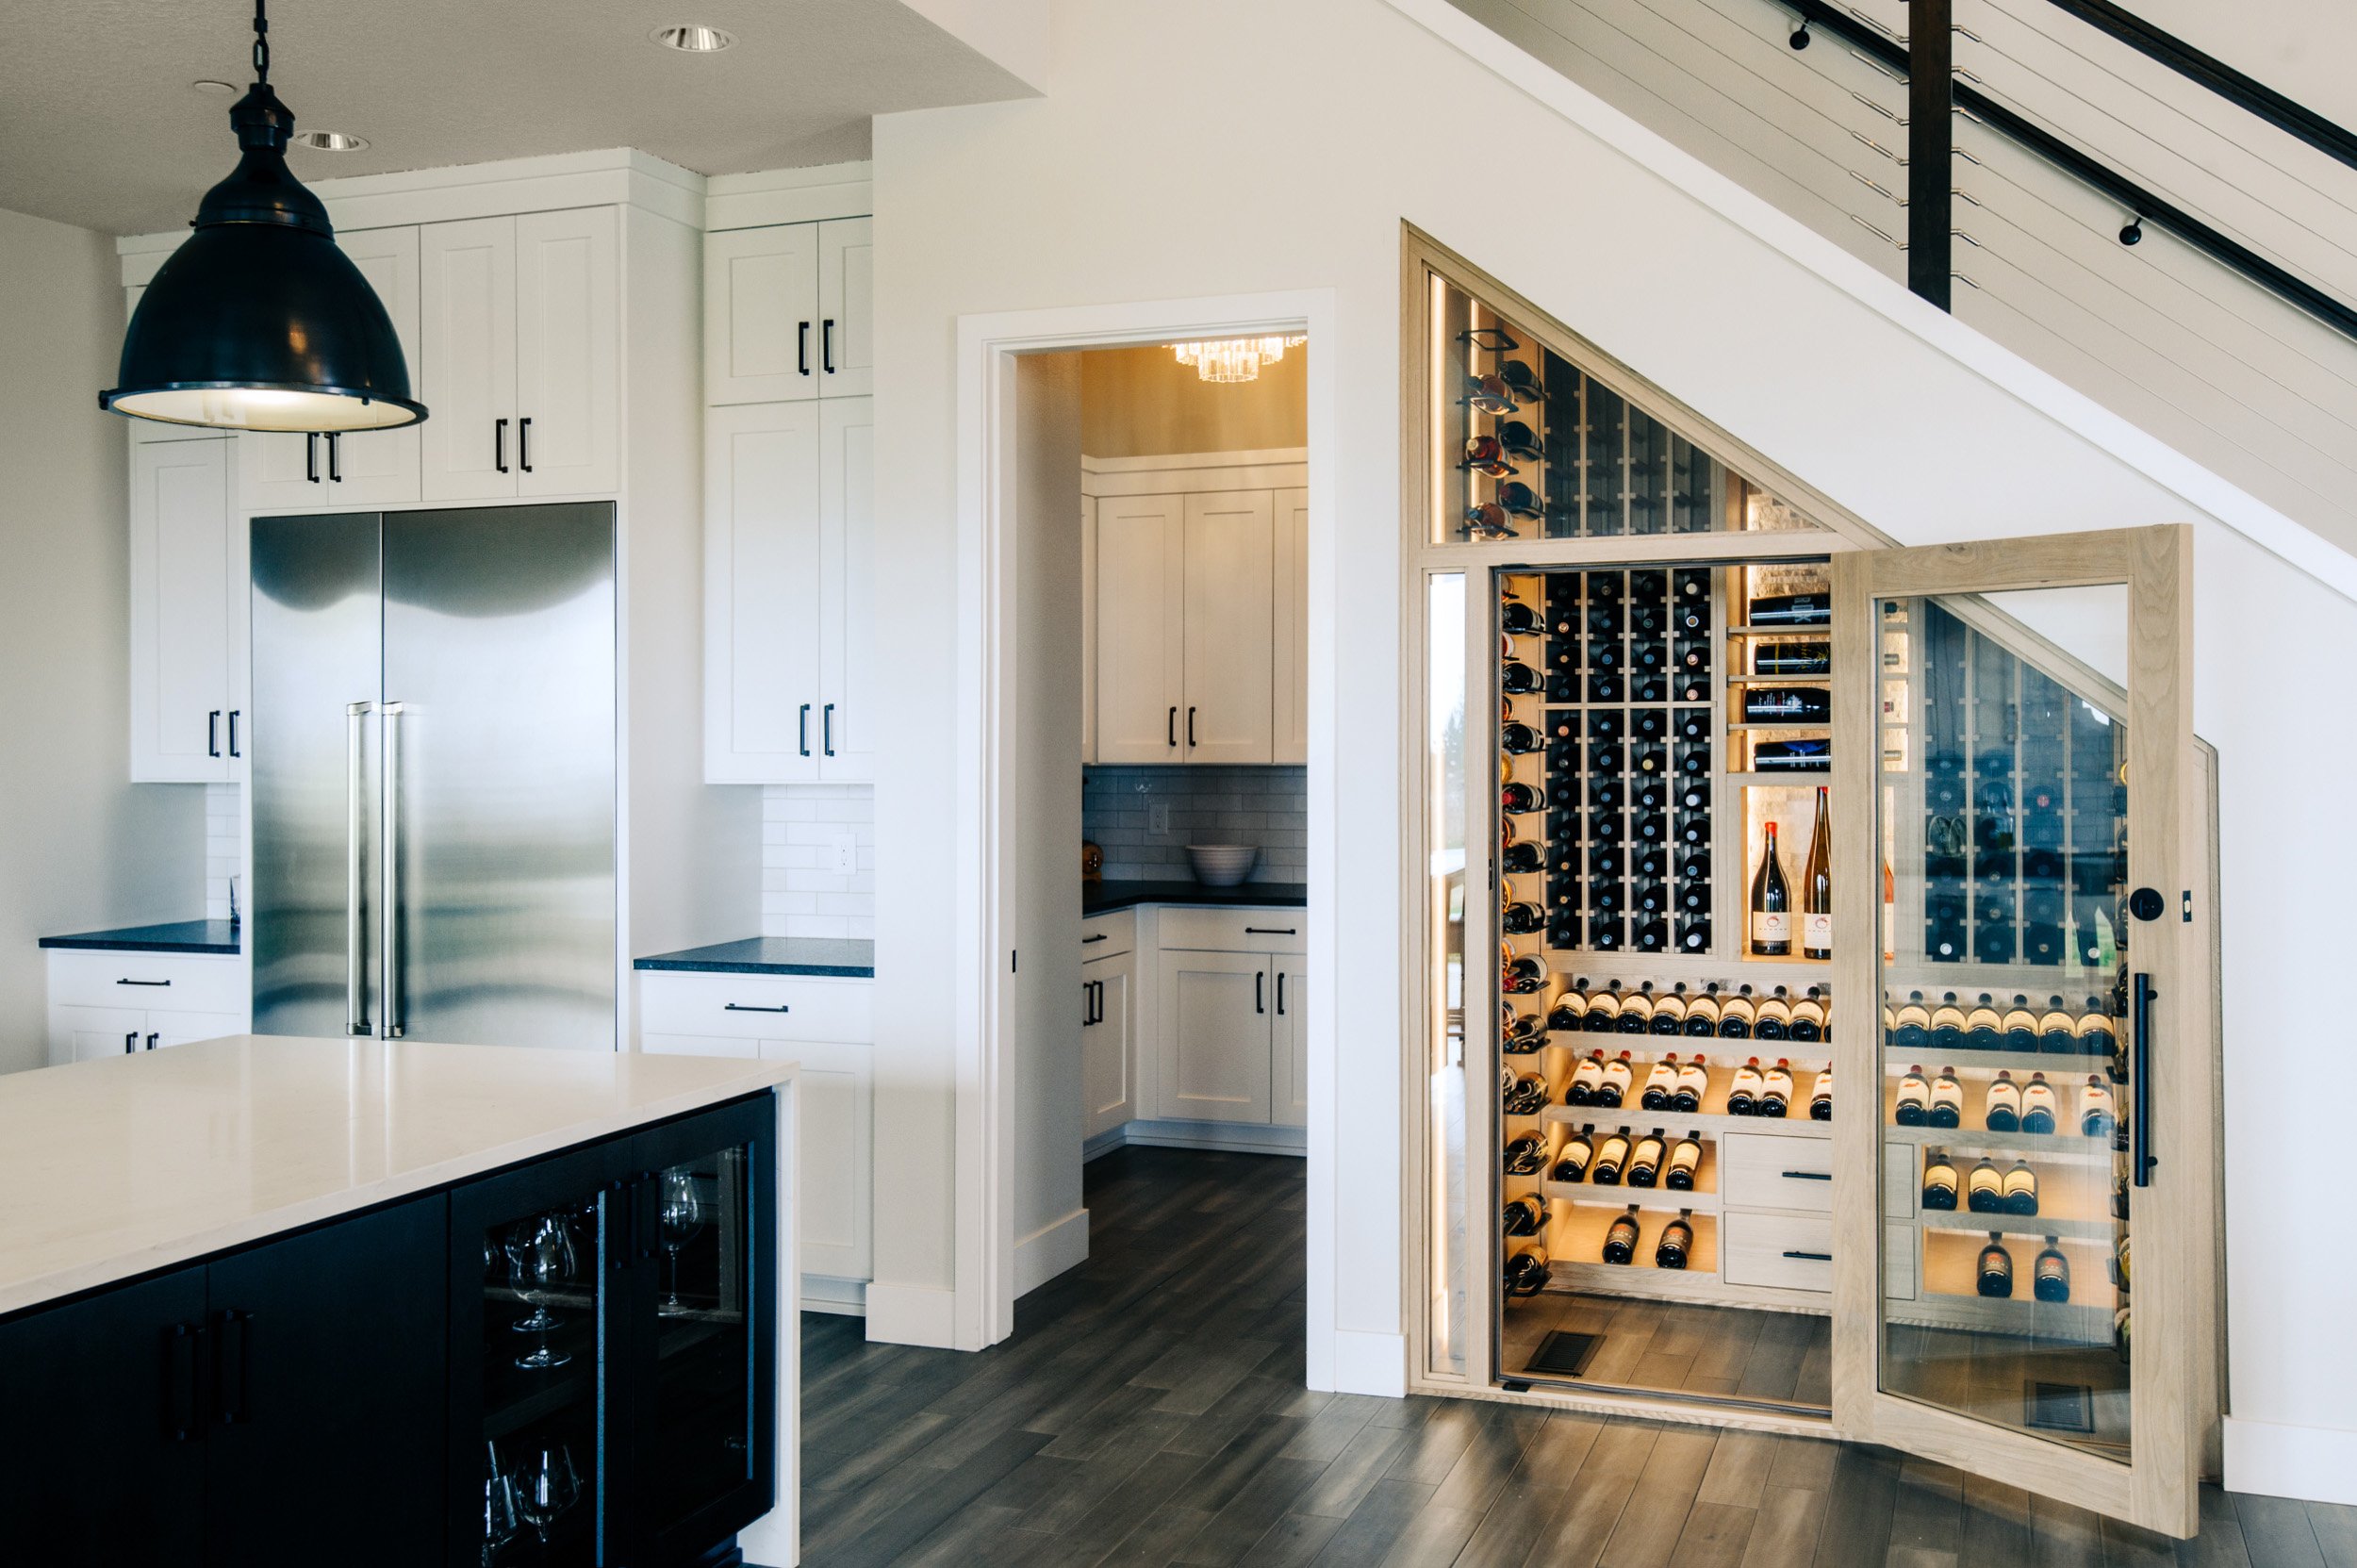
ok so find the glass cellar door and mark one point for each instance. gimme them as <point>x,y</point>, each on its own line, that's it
<point>2018,751</point>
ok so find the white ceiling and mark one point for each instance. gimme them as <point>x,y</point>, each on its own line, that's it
<point>100,126</point>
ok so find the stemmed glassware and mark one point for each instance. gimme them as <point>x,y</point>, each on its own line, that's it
<point>546,1487</point>
<point>540,1261</point>
<point>500,1522</point>
<point>682,1218</point>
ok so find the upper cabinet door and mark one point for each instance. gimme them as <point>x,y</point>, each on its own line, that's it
<point>181,599</point>
<point>1230,628</point>
<point>846,364</point>
<point>1292,626</point>
<point>761,314</point>
<point>847,591</point>
<point>568,353</point>
<point>2017,732</point>
<point>761,594</point>
<point>1213,1044</point>
<point>1141,618</point>
<point>468,300</point>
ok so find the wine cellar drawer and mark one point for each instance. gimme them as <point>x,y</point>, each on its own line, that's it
<point>1263,931</point>
<point>766,1007</point>
<point>1785,1251</point>
<point>1767,1172</point>
<point>1110,934</point>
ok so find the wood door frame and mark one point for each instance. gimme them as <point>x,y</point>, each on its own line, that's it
<point>983,762</point>
<point>2172,1400</point>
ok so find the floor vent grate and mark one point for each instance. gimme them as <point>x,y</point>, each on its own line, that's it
<point>1563,1354</point>
<point>2059,1406</point>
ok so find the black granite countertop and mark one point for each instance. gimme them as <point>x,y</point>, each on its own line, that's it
<point>774,955</point>
<point>176,936</point>
<point>1098,897</point>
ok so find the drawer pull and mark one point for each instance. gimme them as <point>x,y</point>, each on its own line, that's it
<point>1811,1257</point>
<point>128,982</point>
<point>1271,930</point>
<point>1808,1175</point>
<point>1098,937</point>
<point>743,1007</point>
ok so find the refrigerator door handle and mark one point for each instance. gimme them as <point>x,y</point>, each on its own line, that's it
<point>355,870</point>
<point>390,1026</point>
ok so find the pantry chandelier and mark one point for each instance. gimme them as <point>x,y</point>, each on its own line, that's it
<point>1235,359</point>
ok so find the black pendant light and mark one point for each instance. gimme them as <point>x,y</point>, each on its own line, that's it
<point>258,322</point>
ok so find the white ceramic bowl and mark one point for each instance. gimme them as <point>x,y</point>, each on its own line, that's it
<point>1222,865</point>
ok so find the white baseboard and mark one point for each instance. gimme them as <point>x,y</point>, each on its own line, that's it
<point>1232,1137</point>
<point>1049,1251</point>
<point>848,1297</point>
<point>1370,1363</point>
<point>912,1314</point>
<point>2316,1464</point>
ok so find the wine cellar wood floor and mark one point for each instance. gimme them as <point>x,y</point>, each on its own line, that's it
<point>1150,1409</point>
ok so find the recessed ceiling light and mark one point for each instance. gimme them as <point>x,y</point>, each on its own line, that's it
<point>213,87</point>
<point>694,39</point>
<point>329,142</point>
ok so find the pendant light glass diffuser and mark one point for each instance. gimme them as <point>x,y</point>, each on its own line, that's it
<point>258,322</point>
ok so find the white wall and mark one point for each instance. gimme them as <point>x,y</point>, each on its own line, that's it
<point>1132,184</point>
<point>80,846</point>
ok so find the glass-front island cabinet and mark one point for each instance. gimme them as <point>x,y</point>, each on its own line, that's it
<point>1816,993</point>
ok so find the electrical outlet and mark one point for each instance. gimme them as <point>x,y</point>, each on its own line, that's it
<point>1158,816</point>
<point>845,843</point>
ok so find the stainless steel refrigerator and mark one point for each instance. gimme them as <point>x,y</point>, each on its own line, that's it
<point>433,762</point>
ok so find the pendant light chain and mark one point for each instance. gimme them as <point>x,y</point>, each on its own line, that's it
<point>261,41</point>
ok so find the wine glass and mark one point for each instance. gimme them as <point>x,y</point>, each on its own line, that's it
<point>683,1219</point>
<point>546,1487</point>
<point>540,1259</point>
<point>500,1522</point>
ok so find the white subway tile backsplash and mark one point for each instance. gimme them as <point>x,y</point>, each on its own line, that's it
<point>804,891</point>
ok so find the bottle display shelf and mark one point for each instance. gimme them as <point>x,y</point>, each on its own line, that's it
<point>2072,1067</point>
<point>1949,1294</point>
<point>1588,1195</point>
<point>2062,1147</point>
<point>1704,1122</point>
<point>2041,1225</point>
<point>1575,1238</point>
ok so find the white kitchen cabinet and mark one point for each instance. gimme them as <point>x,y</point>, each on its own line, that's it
<point>1109,1094</point>
<point>521,328</point>
<point>106,1003</point>
<point>1292,642</point>
<point>789,312</point>
<point>1289,1043</point>
<point>1231,659</point>
<point>1139,589</point>
<point>187,581</point>
<point>790,592</point>
<point>1213,1039</point>
<point>285,472</point>
<point>89,1033</point>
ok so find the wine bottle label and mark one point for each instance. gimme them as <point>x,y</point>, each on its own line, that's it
<point>1816,931</point>
<point>1772,925</point>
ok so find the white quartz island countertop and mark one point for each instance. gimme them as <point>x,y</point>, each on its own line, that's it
<point>114,1168</point>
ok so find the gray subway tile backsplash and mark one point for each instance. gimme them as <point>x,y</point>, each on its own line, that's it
<point>1264,806</point>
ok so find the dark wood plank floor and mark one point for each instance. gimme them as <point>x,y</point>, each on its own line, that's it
<point>1150,1409</point>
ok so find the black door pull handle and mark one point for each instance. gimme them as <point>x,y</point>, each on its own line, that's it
<point>748,1007</point>
<point>335,457</point>
<point>1280,993</point>
<point>151,1039</point>
<point>2141,1158</point>
<point>1810,1257</point>
<point>826,730</point>
<point>523,443</point>
<point>127,981</point>
<point>212,734</point>
<point>826,345</point>
<point>801,349</point>
<point>1098,937</point>
<point>311,457</point>
<point>498,445</point>
<point>131,1043</point>
<point>1190,728</point>
<point>802,733</point>
<point>1808,1175</point>
<point>1259,979</point>
<point>232,731</point>
<point>1271,930</point>
<point>1173,734</point>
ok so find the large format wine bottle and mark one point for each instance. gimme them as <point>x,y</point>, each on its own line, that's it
<point>1677,1241</point>
<point>1620,1242</point>
<point>1771,904</point>
<point>1817,886</point>
<point>1792,658</point>
<point>1994,1275</point>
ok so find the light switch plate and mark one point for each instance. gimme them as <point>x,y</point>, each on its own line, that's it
<point>844,843</point>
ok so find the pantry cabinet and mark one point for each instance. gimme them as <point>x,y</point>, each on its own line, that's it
<point>103,1003</point>
<point>1230,1044</point>
<point>188,626</point>
<point>1229,687</point>
<point>789,312</point>
<point>790,592</point>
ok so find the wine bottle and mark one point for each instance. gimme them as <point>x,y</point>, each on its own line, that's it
<point>1527,1271</point>
<point>1701,1013</point>
<point>2095,1034</point>
<point>1660,1083</point>
<point>1520,798</point>
<point>1686,1158</point>
<point>1913,1108</point>
<point>1736,1013</point>
<point>1771,904</point>
<point>1994,1275</point>
<point>1521,857</point>
<point>1603,1007</point>
<point>1487,454</point>
<point>1518,739</point>
<point>2004,1113</point>
<point>1693,1083</point>
<point>1940,1182</point>
<point>1569,1008</point>
<point>1984,1188</point>
<point>1490,394</point>
<point>2039,1109</point>
<point>1522,381</point>
<point>1792,609</point>
<point>1911,1028</point>
<point>2020,1190</point>
<point>1677,1240</point>
<point>2057,1031</point>
<point>1519,678</point>
<point>1522,919</point>
<point>1773,1020</point>
<point>2020,1027</point>
<point>1586,1078</point>
<point>1791,658</point>
<point>1743,1094</point>
<point>1821,1097</point>
<point>1527,1154</point>
<point>1787,705</point>
<point>1669,1014</point>
<point>1526,1216</point>
<point>1792,756</point>
<point>1519,498</point>
<point>1947,1031</point>
<point>1947,1106</point>
<point>2049,1276</point>
<point>1519,440</point>
<point>1775,1090</point>
<point>1571,1161</point>
<point>1644,1160</point>
<point>1620,1241</point>
<point>1636,1010</point>
<point>1616,1076</point>
<point>1525,973</point>
<point>1808,1016</point>
<point>1610,1161</point>
<point>1488,521</point>
<point>1817,886</point>
<point>2096,1116</point>
<point>1526,1096</point>
<point>1525,1037</point>
<point>1984,1026</point>
<point>1515,619</point>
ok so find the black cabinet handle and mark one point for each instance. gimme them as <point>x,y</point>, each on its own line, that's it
<point>1280,993</point>
<point>802,732</point>
<point>498,445</point>
<point>1810,1257</point>
<point>127,981</point>
<point>1098,937</point>
<point>311,457</point>
<point>826,730</point>
<point>212,734</point>
<point>801,349</point>
<point>1271,930</point>
<point>231,1354</point>
<point>1173,734</point>
<point>232,731</point>
<point>2141,1158</point>
<point>151,1039</point>
<point>1808,1175</point>
<point>826,345</point>
<point>184,1416</point>
<point>748,1007</point>
<point>1260,980</point>
<point>523,443</point>
<point>335,457</point>
<point>130,1041</point>
<point>1190,728</point>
